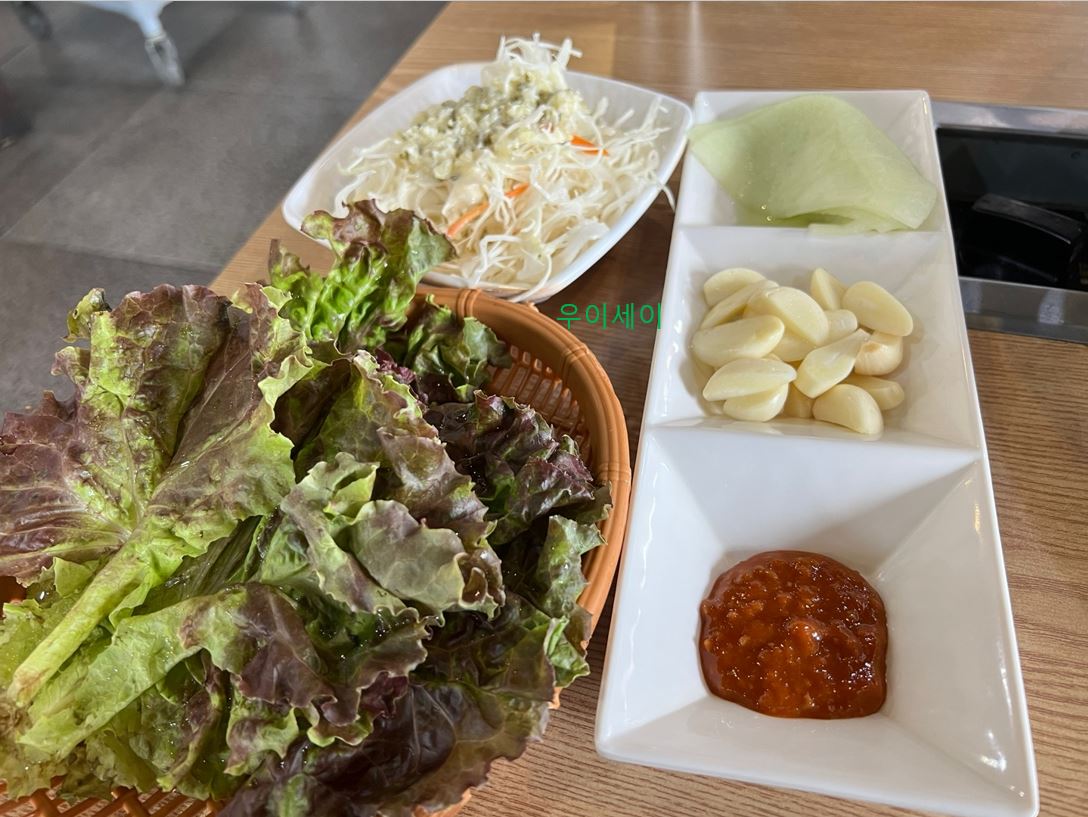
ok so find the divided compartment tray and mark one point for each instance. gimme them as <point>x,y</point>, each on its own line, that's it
<point>912,510</point>
<point>556,374</point>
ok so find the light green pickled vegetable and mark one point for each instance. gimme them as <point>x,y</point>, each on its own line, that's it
<point>814,159</point>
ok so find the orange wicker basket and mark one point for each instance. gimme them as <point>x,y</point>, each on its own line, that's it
<point>552,371</point>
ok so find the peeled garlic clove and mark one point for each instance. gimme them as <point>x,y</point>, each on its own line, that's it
<point>748,337</point>
<point>880,355</point>
<point>851,407</point>
<point>759,407</point>
<point>826,289</point>
<point>840,323</point>
<point>791,348</point>
<point>824,367</point>
<point>722,284</point>
<point>887,393</point>
<point>796,309</point>
<point>797,404</point>
<point>877,309</point>
<point>731,306</point>
<point>745,376</point>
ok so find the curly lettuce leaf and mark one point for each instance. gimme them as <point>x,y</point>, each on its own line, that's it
<point>372,556</point>
<point>349,644</point>
<point>253,631</point>
<point>301,410</point>
<point>522,470</point>
<point>256,730</point>
<point>171,737</point>
<point>227,561</point>
<point>192,701</point>
<point>27,621</point>
<point>482,694</point>
<point>547,572</point>
<point>77,475</point>
<point>321,655</point>
<point>380,259</point>
<point>377,419</point>
<point>429,566</point>
<point>298,547</point>
<point>449,356</point>
<point>165,446</point>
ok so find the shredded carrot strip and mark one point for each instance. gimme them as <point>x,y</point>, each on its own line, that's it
<point>472,213</point>
<point>586,145</point>
<point>475,212</point>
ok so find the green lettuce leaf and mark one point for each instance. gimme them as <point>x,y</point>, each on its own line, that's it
<point>380,259</point>
<point>547,572</point>
<point>482,694</point>
<point>170,737</point>
<point>430,566</point>
<point>259,567</point>
<point>164,448</point>
<point>377,419</point>
<point>521,469</point>
<point>227,561</point>
<point>449,356</point>
<point>76,475</point>
<point>371,557</point>
<point>256,730</point>
<point>301,410</point>
<point>28,621</point>
<point>253,631</point>
<point>298,546</point>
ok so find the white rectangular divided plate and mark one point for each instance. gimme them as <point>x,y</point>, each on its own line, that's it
<point>318,187</point>
<point>913,511</point>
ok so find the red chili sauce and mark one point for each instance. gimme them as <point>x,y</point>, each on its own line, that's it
<point>797,635</point>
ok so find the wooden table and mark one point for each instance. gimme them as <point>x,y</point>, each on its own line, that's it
<point>1034,393</point>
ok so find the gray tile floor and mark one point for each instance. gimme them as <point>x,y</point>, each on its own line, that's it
<point>125,184</point>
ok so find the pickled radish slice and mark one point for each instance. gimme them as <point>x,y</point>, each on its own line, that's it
<point>814,158</point>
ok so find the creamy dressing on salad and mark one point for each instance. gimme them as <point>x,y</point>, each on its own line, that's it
<point>451,138</point>
<point>519,172</point>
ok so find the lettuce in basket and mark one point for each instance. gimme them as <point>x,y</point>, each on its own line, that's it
<point>380,259</point>
<point>279,551</point>
<point>165,447</point>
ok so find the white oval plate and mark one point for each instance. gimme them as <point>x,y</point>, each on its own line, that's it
<point>317,187</point>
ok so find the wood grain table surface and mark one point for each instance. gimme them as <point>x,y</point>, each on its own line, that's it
<point>1034,393</point>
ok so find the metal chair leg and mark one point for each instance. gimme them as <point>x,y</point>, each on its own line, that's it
<point>164,59</point>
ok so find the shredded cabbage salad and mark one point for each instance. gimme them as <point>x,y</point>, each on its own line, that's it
<point>519,172</point>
